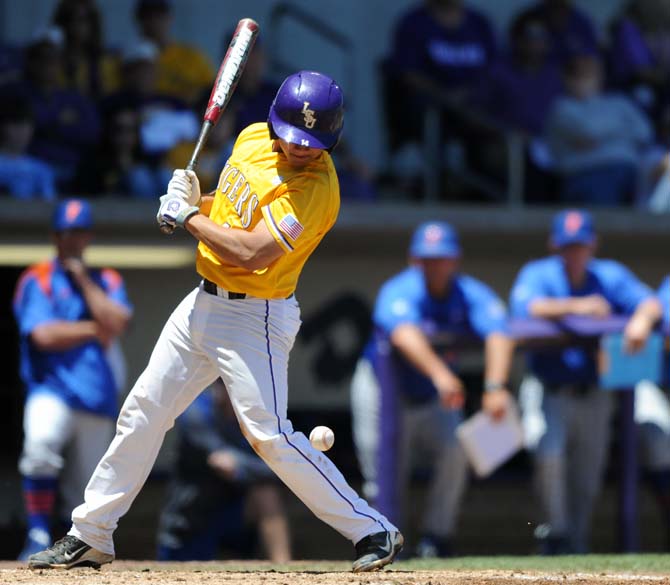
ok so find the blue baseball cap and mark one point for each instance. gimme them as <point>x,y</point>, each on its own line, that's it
<point>72,214</point>
<point>572,226</point>
<point>435,239</point>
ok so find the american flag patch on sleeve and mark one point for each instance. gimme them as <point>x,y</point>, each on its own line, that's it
<point>291,226</point>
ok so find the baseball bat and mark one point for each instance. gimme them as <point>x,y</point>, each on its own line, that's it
<point>229,74</point>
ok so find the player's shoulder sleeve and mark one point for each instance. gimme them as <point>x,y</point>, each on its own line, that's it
<point>530,284</point>
<point>622,287</point>
<point>487,312</point>
<point>398,301</point>
<point>305,208</point>
<point>32,302</point>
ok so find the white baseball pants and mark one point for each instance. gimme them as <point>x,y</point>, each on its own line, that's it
<point>247,343</point>
<point>62,442</point>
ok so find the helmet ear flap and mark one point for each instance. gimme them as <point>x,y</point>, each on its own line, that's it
<point>329,150</point>
<point>273,134</point>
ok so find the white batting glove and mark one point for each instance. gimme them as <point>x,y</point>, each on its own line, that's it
<point>175,211</point>
<point>185,184</point>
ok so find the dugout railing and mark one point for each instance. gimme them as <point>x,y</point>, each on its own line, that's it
<point>528,334</point>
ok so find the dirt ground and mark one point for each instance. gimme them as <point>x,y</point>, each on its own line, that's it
<point>258,573</point>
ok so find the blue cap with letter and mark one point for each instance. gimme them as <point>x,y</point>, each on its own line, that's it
<point>572,226</point>
<point>72,214</point>
<point>435,239</point>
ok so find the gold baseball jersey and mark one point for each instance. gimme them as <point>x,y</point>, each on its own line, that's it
<point>299,206</point>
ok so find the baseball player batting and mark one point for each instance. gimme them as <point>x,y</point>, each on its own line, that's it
<point>277,196</point>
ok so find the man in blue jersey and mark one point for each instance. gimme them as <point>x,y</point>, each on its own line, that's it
<point>566,418</point>
<point>69,317</point>
<point>428,301</point>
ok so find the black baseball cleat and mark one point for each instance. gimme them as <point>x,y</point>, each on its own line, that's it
<point>377,550</point>
<point>69,552</point>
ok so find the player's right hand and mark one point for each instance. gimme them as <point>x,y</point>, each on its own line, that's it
<point>451,391</point>
<point>496,403</point>
<point>185,184</point>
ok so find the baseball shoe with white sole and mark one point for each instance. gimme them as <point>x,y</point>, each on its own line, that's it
<point>376,551</point>
<point>69,552</point>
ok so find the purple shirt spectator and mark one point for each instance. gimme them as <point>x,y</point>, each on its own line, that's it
<point>452,57</point>
<point>571,30</point>
<point>629,53</point>
<point>66,125</point>
<point>522,98</point>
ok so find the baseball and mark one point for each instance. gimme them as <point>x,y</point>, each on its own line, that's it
<point>322,438</point>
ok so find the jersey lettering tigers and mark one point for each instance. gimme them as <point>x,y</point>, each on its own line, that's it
<point>236,188</point>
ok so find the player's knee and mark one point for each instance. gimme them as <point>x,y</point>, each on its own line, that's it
<point>40,459</point>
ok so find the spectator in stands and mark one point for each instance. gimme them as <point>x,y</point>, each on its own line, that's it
<point>440,50</point>
<point>87,66</point>
<point>117,167</point>
<point>218,485</point>
<point>22,176</point>
<point>519,92</point>
<point>566,417</point>
<point>595,137</point>
<point>570,30</point>
<point>632,65</point>
<point>183,71</point>
<point>66,122</point>
<point>522,86</point>
<point>255,91</point>
<point>11,64</point>
<point>165,119</point>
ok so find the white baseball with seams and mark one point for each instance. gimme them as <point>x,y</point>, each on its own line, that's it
<point>322,438</point>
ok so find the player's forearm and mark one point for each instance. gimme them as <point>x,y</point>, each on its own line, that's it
<point>233,246</point>
<point>552,308</point>
<point>649,312</point>
<point>63,335</point>
<point>498,352</point>
<point>206,204</point>
<point>414,346</point>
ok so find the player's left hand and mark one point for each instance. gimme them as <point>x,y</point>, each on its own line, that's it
<point>496,403</point>
<point>174,211</point>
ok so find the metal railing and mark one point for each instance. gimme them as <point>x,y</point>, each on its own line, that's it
<point>510,193</point>
<point>285,11</point>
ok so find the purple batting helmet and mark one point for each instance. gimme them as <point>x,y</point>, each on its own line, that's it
<point>308,110</point>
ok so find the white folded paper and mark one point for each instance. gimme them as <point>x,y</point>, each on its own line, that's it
<point>488,443</point>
